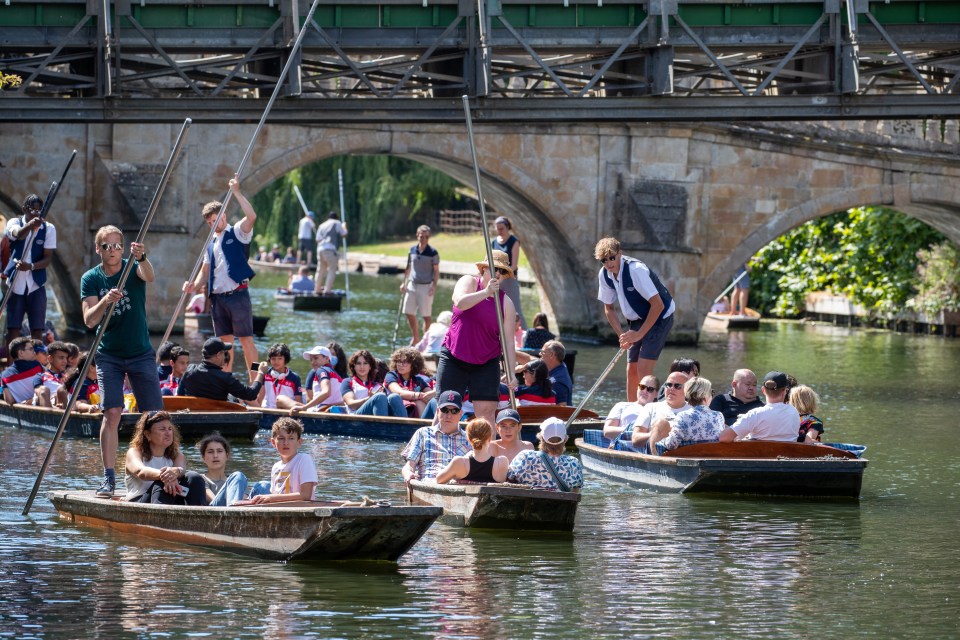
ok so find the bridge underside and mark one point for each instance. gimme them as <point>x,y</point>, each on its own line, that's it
<point>533,60</point>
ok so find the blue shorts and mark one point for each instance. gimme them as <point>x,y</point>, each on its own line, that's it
<point>481,380</point>
<point>306,244</point>
<point>232,314</point>
<point>652,344</point>
<point>142,371</point>
<point>34,305</point>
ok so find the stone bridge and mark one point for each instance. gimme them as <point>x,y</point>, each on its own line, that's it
<point>693,201</point>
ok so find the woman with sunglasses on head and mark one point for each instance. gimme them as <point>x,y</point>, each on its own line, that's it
<point>509,245</point>
<point>471,352</point>
<point>155,465</point>
<point>361,392</point>
<point>410,391</point>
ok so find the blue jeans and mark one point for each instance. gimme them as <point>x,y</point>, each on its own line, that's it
<point>261,488</point>
<point>430,410</point>
<point>142,371</point>
<point>233,491</point>
<point>375,405</point>
<point>396,406</point>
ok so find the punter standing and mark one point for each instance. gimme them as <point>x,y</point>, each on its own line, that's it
<point>228,274</point>
<point>645,303</point>
<point>125,349</point>
<point>29,266</point>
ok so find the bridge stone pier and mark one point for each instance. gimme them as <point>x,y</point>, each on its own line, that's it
<point>693,201</point>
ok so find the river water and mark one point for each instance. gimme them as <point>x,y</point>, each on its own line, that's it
<point>639,564</point>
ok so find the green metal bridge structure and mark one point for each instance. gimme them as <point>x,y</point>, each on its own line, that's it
<point>519,60</point>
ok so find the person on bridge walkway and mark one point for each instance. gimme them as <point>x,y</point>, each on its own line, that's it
<point>228,274</point>
<point>125,349</point>
<point>328,239</point>
<point>423,264</point>
<point>29,294</point>
<point>645,303</point>
<point>508,243</point>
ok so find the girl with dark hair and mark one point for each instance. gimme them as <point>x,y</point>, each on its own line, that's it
<point>508,243</point>
<point>411,394</point>
<point>155,465</point>
<point>339,360</point>
<point>221,490</point>
<point>536,387</point>
<point>282,388</point>
<point>540,334</point>
<point>478,465</point>
<point>361,392</point>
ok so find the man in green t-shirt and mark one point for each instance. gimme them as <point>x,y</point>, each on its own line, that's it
<point>125,349</point>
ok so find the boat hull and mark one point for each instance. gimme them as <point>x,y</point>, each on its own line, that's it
<point>297,531</point>
<point>751,320</point>
<point>499,506</point>
<point>312,301</point>
<point>837,474</point>
<point>193,425</point>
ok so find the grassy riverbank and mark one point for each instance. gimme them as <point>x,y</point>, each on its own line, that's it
<point>459,248</point>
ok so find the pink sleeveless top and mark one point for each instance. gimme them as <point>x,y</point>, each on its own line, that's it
<point>474,335</point>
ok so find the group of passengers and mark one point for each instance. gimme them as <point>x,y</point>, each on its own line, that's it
<point>44,375</point>
<point>688,412</point>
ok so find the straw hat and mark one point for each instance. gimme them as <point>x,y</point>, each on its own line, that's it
<point>500,261</point>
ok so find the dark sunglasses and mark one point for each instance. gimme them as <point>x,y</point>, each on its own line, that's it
<point>673,385</point>
<point>116,246</point>
<point>449,410</point>
<point>502,272</point>
<point>607,259</point>
<point>643,387</point>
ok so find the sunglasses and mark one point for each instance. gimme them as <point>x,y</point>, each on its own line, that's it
<point>607,259</point>
<point>673,385</point>
<point>449,410</point>
<point>502,272</point>
<point>643,387</point>
<point>116,246</point>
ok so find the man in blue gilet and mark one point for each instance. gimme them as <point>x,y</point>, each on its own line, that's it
<point>644,302</point>
<point>227,274</point>
<point>27,269</point>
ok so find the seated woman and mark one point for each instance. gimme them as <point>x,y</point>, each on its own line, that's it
<point>548,468</point>
<point>155,465</point>
<point>301,282</point>
<point>222,491</point>
<point>433,337</point>
<point>411,394</point>
<point>282,388</point>
<point>806,401</point>
<point>536,387</point>
<point>361,392</point>
<point>540,334</point>
<point>478,465</point>
<point>699,423</point>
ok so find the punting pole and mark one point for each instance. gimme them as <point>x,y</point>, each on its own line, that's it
<point>343,221</point>
<point>606,372</point>
<point>303,204</point>
<point>108,314</point>
<point>486,243</point>
<point>243,163</point>
<point>51,196</point>
<point>729,286</point>
<point>396,325</point>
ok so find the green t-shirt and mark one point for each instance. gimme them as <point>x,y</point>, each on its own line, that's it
<point>127,335</point>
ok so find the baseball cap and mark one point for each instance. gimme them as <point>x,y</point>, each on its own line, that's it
<point>449,399</point>
<point>508,414</point>
<point>317,351</point>
<point>775,380</point>
<point>213,346</point>
<point>310,214</point>
<point>39,348</point>
<point>553,430</point>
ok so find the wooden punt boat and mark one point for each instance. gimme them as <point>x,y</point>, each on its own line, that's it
<point>262,266</point>
<point>759,468</point>
<point>499,506</point>
<point>311,301</point>
<point>402,429</point>
<point>749,320</point>
<point>290,531</point>
<point>194,420</point>
<point>202,323</point>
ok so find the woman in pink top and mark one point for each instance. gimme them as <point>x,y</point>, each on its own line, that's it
<point>470,356</point>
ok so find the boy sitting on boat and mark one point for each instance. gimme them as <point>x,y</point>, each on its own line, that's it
<point>294,476</point>
<point>52,379</point>
<point>21,377</point>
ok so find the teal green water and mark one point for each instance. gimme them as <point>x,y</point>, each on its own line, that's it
<point>638,564</point>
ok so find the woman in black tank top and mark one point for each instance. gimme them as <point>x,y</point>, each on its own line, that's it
<point>478,465</point>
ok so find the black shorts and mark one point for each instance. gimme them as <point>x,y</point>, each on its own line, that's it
<point>652,344</point>
<point>481,380</point>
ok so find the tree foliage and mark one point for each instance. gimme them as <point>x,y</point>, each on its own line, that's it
<point>867,254</point>
<point>938,279</point>
<point>383,196</point>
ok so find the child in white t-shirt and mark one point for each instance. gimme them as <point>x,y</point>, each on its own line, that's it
<point>294,476</point>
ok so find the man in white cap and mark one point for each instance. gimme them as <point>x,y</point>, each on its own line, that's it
<point>432,448</point>
<point>323,381</point>
<point>548,468</point>
<point>209,380</point>
<point>777,421</point>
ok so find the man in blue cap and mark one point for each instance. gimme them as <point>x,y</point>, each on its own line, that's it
<point>508,428</point>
